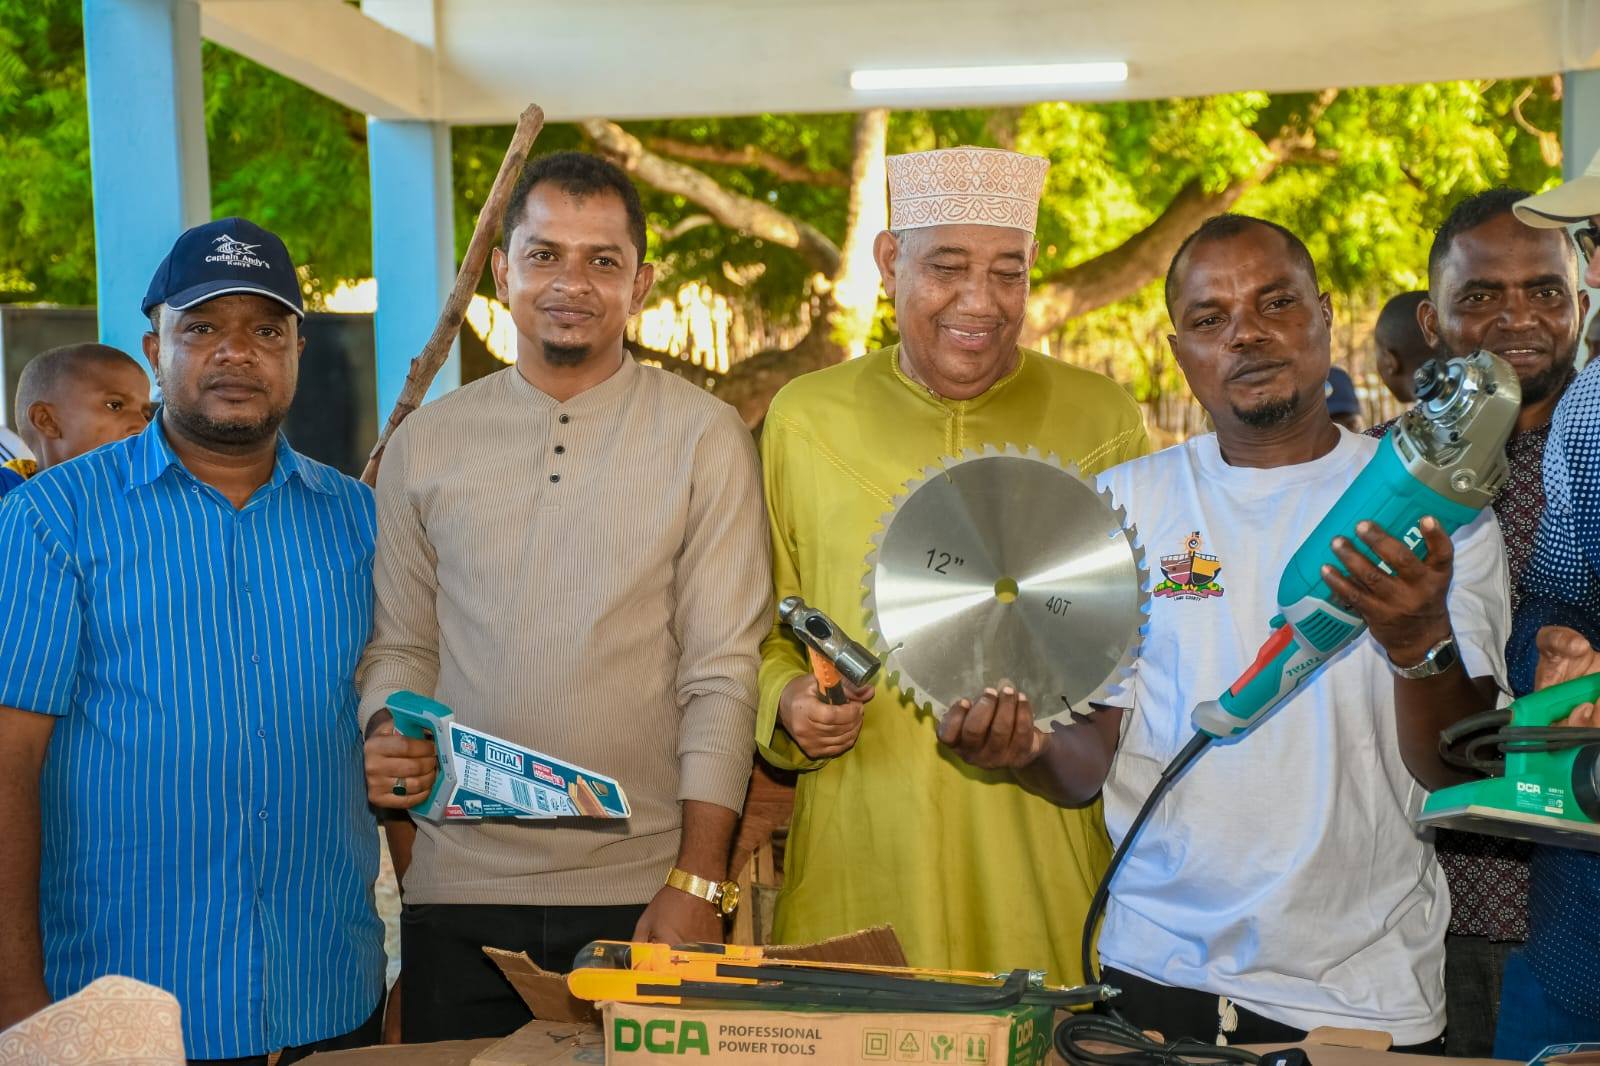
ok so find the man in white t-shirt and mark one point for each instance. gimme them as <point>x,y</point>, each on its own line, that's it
<point>1281,884</point>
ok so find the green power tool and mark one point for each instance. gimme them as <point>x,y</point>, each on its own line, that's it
<point>1548,788</point>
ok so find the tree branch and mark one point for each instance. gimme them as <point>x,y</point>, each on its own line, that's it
<point>1549,143</point>
<point>684,225</point>
<point>731,209</point>
<point>1125,269</point>
<point>749,156</point>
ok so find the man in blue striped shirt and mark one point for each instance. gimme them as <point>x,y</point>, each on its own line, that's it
<point>180,767</point>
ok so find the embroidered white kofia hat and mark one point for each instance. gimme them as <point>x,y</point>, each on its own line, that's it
<point>965,186</point>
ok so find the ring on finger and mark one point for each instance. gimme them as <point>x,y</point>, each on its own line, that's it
<point>399,788</point>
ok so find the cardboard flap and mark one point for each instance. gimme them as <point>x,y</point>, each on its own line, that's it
<point>544,992</point>
<point>1365,1039</point>
<point>877,946</point>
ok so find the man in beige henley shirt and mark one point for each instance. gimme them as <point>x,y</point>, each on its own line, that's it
<point>573,555</point>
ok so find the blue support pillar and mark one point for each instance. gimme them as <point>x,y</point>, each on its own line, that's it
<point>413,248</point>
<point>147,147</point>
<point>1580,120</point>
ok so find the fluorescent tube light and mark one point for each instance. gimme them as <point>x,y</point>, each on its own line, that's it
<point>987,77</point>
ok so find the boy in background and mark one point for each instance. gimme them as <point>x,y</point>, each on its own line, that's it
<point>73,399</point>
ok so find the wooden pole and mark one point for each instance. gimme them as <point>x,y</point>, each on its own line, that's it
<point>437,350</point>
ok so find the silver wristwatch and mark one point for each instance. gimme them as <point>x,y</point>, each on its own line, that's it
<point>1441,657</point>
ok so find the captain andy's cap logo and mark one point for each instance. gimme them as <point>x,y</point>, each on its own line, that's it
<point>235,253</point>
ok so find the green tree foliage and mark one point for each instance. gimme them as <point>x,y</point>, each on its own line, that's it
<point>292,161</point>
<point>1365,182</point>
<point>46,229</point>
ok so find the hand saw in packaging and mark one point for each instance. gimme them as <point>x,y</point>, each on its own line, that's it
<point>483,776</point>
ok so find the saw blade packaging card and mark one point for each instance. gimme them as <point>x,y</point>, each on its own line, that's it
<point>651,1035</point>
<point>498,779</point>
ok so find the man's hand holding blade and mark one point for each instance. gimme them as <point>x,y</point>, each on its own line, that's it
<point>1405,609</point>
<point>1066,765</point>
<point>400,769</point>
<point>821,729</point>
<point>996,732</point>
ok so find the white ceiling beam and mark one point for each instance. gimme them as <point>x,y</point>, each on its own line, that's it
<point>333,48</point>
<point>645,59</point>
<point>481,61</point>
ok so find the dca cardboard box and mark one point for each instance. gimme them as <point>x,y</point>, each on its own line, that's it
<point>638,1035</point>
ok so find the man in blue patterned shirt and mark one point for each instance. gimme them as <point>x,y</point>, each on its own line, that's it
<point>180,767</point>
<point>1551,992</point>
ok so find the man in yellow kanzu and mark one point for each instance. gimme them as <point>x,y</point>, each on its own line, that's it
<point>973,871</point>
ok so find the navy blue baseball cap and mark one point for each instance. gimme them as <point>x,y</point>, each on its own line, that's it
<point>230,255</point>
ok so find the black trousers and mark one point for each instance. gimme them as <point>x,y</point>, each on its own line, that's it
<point>449,990</point>
<point>1178,1012</point>
<point>364,1035</point>
<point>1473,966</point>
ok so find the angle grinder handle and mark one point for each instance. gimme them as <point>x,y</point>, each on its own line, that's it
<point>829,683</point>
<point>1550,705</point>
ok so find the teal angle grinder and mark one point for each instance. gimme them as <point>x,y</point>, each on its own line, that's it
<point>1445,458</point>
<point>1548,787</point>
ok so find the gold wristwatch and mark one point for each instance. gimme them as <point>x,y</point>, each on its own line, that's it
<point>723,895</point>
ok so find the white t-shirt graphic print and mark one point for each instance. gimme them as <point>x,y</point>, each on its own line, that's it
<point>1283,870</point>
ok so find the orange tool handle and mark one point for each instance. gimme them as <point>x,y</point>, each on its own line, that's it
<point>828,680</point>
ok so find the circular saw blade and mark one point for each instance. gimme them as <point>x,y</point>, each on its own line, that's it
<point>1005,565</point>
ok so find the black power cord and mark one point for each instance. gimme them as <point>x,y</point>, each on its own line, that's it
<point>1082,1040</point>
<point>1131,1046</point>
<point>1490,732</point>
<point>1102,892</point>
